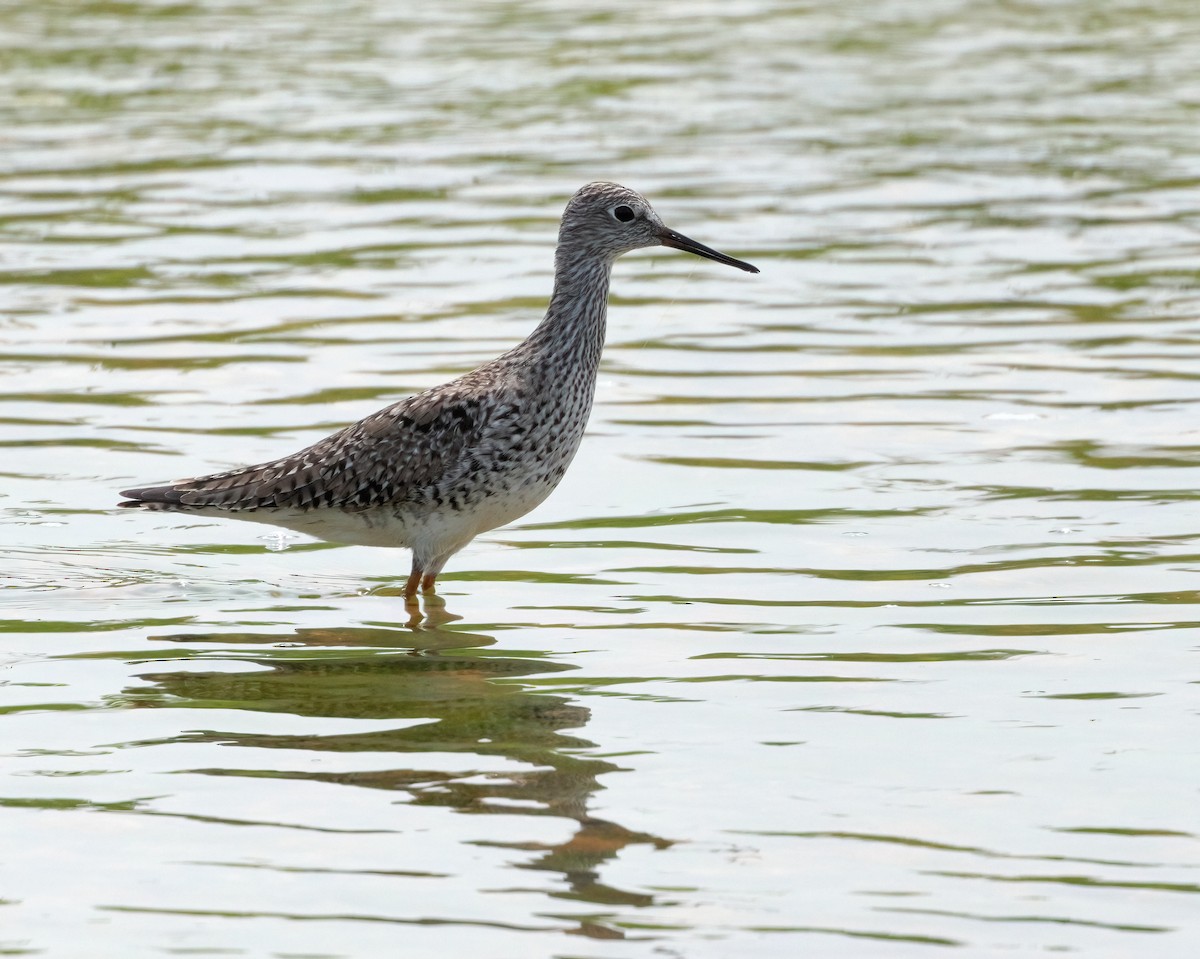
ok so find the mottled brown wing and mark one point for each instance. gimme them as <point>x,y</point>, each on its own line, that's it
<point>382,459</point>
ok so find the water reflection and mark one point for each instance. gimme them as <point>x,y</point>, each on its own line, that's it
<point>467,699</point>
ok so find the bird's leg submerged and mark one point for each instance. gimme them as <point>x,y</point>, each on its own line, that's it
<point>424,578</point>
<point>430,569</point>
<point>411,584</point>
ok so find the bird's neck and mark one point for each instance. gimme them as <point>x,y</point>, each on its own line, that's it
<point>575,320</point>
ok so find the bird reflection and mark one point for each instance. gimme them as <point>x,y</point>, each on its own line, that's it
<point>445,677</point>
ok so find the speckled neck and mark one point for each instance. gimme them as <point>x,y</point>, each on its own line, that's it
<point>574,325</point>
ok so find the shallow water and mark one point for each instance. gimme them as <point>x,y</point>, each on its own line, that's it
<point>866,621</point>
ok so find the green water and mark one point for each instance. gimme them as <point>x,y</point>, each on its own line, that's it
<point>866,622</point>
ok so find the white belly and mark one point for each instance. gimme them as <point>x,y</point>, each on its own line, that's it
<point>428,532</point>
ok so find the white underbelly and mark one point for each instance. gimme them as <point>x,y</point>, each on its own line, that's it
<point>428,532</point>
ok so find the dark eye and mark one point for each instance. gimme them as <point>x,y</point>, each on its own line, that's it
<point>623,213</point>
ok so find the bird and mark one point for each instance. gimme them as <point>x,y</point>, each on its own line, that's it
<point>436,469</point>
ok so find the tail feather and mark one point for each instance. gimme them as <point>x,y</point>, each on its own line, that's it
<point>154,497</point>
<point>250,488</point>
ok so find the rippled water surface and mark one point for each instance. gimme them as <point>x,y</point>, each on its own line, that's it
<point>866,622</point>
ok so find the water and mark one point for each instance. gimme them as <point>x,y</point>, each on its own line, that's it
<point>865,623</point>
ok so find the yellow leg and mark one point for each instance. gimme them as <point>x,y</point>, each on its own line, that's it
<point>410,586</point>
<point>428,580</point>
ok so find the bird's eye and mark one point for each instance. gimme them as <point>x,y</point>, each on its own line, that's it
<point>623,213</point>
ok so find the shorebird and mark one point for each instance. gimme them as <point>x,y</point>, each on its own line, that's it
<point>435,470</point>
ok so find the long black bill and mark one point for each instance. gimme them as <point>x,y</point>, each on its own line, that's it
<point>680,242</point>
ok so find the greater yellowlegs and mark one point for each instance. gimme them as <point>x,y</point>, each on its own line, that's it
<point>435,470</point>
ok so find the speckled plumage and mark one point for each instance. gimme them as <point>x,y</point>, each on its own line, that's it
<point>435,470</point>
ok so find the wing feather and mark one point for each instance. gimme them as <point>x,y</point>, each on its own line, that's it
<point>385,458</point>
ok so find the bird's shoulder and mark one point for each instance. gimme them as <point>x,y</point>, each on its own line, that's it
<point>411,443</point>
